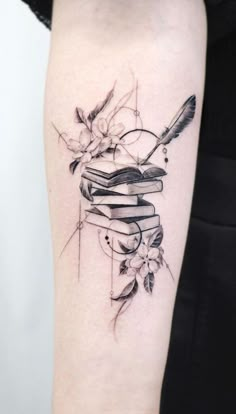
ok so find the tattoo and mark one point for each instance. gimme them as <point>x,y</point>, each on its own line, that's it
<point>116,185</point>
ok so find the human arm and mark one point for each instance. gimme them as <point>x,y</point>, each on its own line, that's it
<point>159,46</point>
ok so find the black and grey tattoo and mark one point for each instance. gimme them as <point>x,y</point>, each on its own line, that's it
<point>116,183</point>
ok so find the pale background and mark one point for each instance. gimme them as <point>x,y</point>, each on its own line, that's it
<point>26,283</point>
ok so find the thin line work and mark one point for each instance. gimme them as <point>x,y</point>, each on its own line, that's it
<point>116,185</point>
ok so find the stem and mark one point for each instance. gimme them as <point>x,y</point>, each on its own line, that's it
<point>150,154</point>
<point>60,134</point>
<point>168,267</point>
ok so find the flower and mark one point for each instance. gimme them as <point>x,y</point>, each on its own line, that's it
<point>146,260</point>
<point>86,147</point>
<point>109,134</point>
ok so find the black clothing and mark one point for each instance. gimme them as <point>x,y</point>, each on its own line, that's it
<point>201,366</point>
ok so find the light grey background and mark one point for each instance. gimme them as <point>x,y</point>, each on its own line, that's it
<point>26,283</point>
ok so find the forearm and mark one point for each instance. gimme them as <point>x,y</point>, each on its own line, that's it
<point>154,54</point>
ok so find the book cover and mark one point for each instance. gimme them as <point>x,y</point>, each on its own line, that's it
<point>106,197</point>
<point>142,209</point>
<point>129,226</point>
<point>136,188</point>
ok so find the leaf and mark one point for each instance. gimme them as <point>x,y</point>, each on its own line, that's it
<point>112,150</point>
<point>124,248</point>
<point>157,237</point>
<point>80,117</point>
<point>85,188</point>
<point>123,267</point>
<point>148,282</point>
<point>154,172</point>
<point>123,307</point>
<point>128,292</point>
<point>100,106</point>
<point>183,117</point>
<point>73,165</point>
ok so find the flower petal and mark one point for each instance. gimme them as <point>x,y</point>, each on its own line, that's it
<point>105,144</point>
<point>150,237</point>
<point>96,131</point>
<point>136,262</point>
<point>131,272</point>
<point>73,145</point>
<point>161,250</point>
<point>79,155</point>
<point>153,266</point>
<point>94,144</point>
<point>116,129</point>
<point>153,253</point>
<point>106,140</point>
<point>115,139</point>
<point>85,138</point>
<point>86,157</point>
<point>143,250</point>
<point>144,270</point>
<point>102,125</point>
<point>95,152</point>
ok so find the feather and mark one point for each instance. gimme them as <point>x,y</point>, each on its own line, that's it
<point>180,121</point>
<point>183,117</point>
<point>100,106</point>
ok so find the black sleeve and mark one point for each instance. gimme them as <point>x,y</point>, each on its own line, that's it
<point>42,9</point>
<point>221,15</point>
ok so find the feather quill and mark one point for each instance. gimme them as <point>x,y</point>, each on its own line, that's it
<point>180,121</point>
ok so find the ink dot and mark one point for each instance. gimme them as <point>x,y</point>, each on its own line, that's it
<point>108,242</point>
<point>166,160</point>
<point>164,150</point>
<point>106,238</point>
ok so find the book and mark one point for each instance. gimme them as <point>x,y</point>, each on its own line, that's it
<point>124,238</point>
<point>110,197</point>
<point>110,173</point>
<point>135,188</point>
<point>142,209</point>
<point>129,226</point>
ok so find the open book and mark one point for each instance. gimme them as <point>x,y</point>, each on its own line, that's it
<point>110,173</point>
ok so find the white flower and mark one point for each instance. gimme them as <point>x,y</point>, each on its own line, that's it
<point>86,147</point>
<point>109,134</point>
<point>146,260</point>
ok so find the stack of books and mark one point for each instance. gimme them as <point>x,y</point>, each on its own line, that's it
<point>118,192</point>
